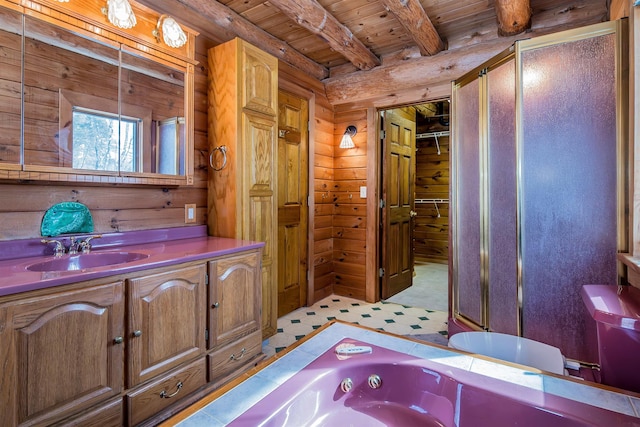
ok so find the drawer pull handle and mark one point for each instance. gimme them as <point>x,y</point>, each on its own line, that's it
<point>118,340</point>
<point>242,352</point>
<point>165,395</point>
<point>137,333</point>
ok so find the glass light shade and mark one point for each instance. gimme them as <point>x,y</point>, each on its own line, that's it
<point>120,13</point>
<point>347,140</point>
<point>172,33</point>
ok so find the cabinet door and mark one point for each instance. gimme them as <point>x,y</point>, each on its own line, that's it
<point>166,321</point>
<point>60,353</point>
<point>260,215</point>
<point>259,77</point>
<point>234,297</point>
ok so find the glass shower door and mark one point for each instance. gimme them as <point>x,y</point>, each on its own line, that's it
<point>569,162</point>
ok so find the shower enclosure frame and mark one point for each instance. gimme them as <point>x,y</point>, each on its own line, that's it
<point>480,298</point>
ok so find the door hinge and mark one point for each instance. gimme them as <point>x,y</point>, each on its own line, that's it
<point>308,126</point>
<point>206,335</point>
<point>383,134</point>
<point>308,200</point>
<point>382,203</point>
<point>381,272</point>
<point>206,279</point>
<point>307,275</point>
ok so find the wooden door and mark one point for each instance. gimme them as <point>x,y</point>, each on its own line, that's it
<point>234,298</point>
<point>166,321</point>
<point>60,353</point>
<point>293,146</point>
<point>398,182</point>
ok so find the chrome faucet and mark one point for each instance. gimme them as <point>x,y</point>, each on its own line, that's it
<point>85,245</point>
<point>59,249</point>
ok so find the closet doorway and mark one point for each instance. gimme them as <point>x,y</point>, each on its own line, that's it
<point>414,213</point>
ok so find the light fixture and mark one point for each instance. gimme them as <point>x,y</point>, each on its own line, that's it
<point>347,141</point>
<point>63,1</point>
<point>120,13</point>
<point>172,33</point>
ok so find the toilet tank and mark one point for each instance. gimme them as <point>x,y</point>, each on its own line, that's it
<point>617,317</point>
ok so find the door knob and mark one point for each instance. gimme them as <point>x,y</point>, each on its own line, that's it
<point>413,214</point>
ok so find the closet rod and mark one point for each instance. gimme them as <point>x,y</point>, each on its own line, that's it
<point>431,201</point>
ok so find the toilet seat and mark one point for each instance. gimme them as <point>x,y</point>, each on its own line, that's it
<point>512,349</point>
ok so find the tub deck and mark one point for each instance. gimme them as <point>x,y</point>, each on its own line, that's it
<point>422,384</point>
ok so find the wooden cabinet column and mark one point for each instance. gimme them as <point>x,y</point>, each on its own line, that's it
<point>243,107</point>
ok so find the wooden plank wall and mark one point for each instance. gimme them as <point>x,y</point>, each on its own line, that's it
<point>321,149</point>
<point>116,208</point>
<point>431,232</point>
<point>350,211</point>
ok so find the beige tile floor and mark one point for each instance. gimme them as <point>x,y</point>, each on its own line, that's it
<point>430,287</point>
<point>398,318</point>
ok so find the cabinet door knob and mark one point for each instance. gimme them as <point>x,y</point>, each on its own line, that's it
<point>137,333</point>
<point>215,305</point>
<point>118,340</point>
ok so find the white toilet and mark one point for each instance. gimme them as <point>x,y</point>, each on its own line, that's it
<point>512,349</point>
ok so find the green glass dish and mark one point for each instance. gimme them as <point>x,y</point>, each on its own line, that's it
<point>66,218</point>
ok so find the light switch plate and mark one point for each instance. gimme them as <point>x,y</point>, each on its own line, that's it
<point>189,213</point>
<point>363,192</point>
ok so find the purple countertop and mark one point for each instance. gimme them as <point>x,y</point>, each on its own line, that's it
<point>163,248</point>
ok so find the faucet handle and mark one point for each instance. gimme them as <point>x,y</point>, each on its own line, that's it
<point>85,246</point>
<point>59,249</point>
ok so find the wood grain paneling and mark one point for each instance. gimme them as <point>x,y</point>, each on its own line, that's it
<point>349,215</point>
<point>431,233</point>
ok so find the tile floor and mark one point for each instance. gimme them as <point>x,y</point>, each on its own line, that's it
<point>402,319</point>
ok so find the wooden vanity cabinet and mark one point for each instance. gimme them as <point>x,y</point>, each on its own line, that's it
<point>166,321</point>
<point>234,317</point>
<point>60,353</point>
<point>130,349</point>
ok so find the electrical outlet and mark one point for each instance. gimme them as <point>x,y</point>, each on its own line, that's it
<point>189,213</point>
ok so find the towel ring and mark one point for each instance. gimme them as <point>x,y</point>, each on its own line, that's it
<point>223,150</point>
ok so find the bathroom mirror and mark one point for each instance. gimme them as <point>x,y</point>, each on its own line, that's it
<point>69,81</point>
<point>10,87</point>
<point>92,107</point>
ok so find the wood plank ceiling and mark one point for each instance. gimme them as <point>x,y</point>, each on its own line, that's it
<point>335,38</point>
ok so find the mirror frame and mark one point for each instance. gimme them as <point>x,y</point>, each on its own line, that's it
<point>87,21</point>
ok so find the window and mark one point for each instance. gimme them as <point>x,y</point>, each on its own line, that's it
<point>93,137</point>
<point>99,144</point>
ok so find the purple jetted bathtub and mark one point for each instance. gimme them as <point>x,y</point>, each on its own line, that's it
<point>389,388</point>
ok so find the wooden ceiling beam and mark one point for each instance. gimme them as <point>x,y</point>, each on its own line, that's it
<point>420,75</point>
<point>311,15</point>
<point>416,22</point>
<point>226,18</point>
<point>514,16</point>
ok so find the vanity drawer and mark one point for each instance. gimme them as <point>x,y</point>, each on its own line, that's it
<point>148,399</point>
<point>233,356</point>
